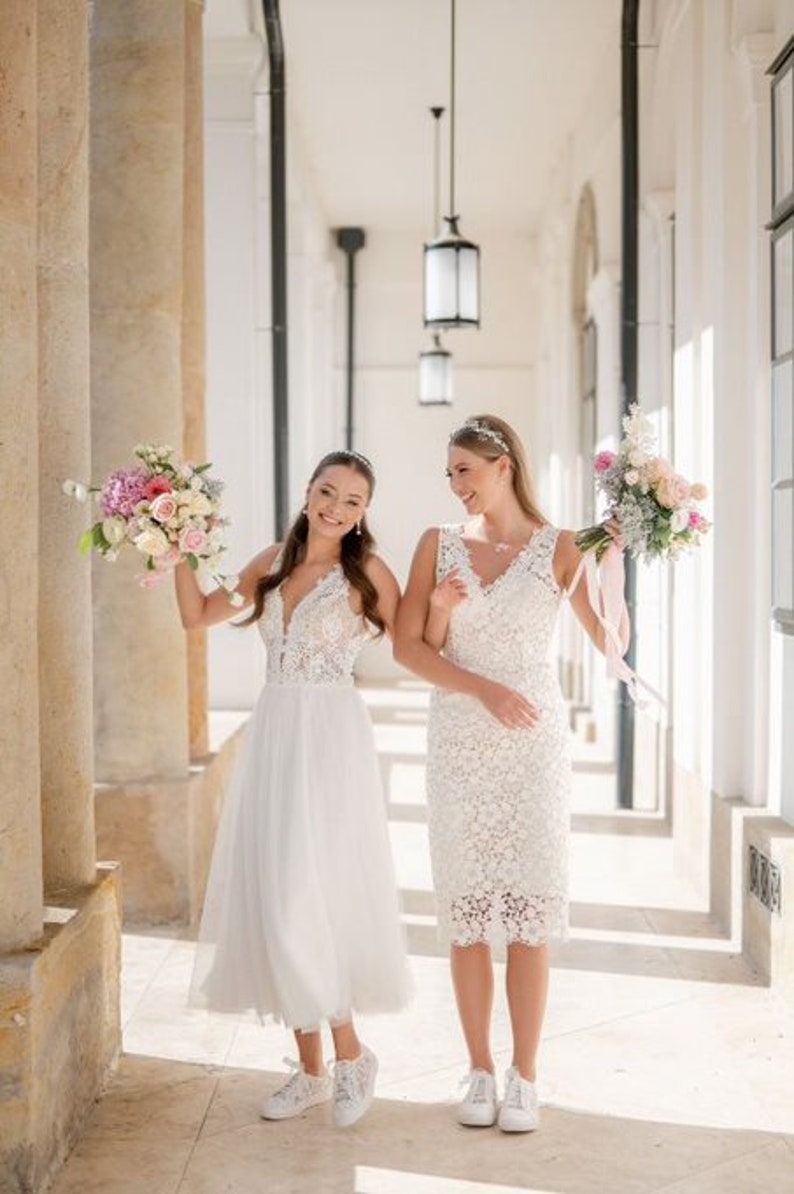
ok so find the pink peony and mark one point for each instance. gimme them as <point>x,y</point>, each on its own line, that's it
<point>192,541</point>
<point>155,487</point>
<point>673,491</point>
<point>604,461</point>
<point>122,492</point>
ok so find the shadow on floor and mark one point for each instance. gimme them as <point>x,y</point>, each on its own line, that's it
<point>174,1128</point>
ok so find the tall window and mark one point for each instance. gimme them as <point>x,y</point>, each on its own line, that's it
<point>588,346</point>
<point>783,339</point>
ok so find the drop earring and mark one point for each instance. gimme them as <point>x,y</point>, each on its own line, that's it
<point>358,529</point>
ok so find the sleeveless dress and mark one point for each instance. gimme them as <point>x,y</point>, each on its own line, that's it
<point>498,798</point>
<point>301,918</point>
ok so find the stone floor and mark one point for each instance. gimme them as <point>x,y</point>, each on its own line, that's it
<point>665,1065</point>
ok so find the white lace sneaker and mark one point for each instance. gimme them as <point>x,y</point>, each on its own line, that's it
<point>354,1087</point>
<point>299,1092</point>
<point>519,1111</point>
<point>479,1106</point>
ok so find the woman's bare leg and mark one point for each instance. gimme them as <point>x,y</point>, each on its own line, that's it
<point>472,976</point>
<point>527,989</point>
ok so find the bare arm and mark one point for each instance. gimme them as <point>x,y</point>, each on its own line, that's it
<point>567,558</point>
<point>411,649</point>
<point>385,582</point>
<point>198,610</point>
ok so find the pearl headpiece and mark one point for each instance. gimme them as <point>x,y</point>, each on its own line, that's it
<point>483,431</point>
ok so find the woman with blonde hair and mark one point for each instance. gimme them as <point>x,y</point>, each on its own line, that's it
<point>477,621</point>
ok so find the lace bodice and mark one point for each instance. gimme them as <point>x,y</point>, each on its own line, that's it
<point>504,630</point>
<point>323,638</point>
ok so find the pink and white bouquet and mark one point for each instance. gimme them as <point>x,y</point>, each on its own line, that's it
<point>166,510</point>
<point>656,506</point>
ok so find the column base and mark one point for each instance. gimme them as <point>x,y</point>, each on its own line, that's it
<point>60,1030</point>
<point>742,887</point>
<point>163,832</point>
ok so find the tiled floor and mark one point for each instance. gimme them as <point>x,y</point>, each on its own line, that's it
<point>665,1066</point>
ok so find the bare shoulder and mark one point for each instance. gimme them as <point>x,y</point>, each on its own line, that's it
<point>428,541</point>
<point>262,564</point>
<point>379,571</point>
<point>566,557</point>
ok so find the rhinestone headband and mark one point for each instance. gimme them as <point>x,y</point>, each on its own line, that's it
<point>483,431</point>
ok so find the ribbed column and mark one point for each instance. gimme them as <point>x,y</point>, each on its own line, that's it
<point>20,811</point>
<point>136,272</point>
<point>193,330</point>
<point>65,674</point>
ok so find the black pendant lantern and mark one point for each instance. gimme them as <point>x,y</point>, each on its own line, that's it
<point>452,263</point>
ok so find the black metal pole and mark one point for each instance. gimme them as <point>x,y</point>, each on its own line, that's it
<point>278,253</point>
<point>628,345</point>
<point>350,240</point>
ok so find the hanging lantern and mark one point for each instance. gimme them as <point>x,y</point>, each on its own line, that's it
<point>452,280</point>
<point>451,263</point>
<point>435,375</point>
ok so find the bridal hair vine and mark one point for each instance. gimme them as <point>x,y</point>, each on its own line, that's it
<point>483,431</point>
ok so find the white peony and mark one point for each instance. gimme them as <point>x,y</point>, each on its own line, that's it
<point>200,505</point>
<point>152,542</point>
<point>114,530</point>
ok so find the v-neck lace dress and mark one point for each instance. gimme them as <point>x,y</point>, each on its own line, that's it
<point>301,920</point>
<point>498,797</point>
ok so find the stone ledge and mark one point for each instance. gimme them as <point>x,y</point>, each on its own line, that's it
<point>163,832</point>
<point>768,937</point>
<point>60,1030</point>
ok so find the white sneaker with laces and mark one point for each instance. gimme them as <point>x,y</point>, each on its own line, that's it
<point>519,1111</point>
<point>299,1092</point>
<point>480,1104</point>
<point>354,1087</point>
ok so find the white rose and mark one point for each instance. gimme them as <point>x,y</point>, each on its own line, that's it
<point>637,458</point>
<point>680,520</point>
<point>114,530</point>
<point>152,542</point>
<point>200,505</point>
<point>195,484</point>
<point>631,477</point>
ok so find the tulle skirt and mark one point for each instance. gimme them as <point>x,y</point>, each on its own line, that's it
<point>301,918</point>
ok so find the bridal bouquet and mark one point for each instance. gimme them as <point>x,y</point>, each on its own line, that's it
<point>166,510</point>
<point>656,506</point>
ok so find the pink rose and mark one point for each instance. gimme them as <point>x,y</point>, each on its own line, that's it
<point>604,461</point>
<point>169,559</point>
<point>164,507</point>
<point>192,541</point>
<point>155,487</point>
<point>696,520</point>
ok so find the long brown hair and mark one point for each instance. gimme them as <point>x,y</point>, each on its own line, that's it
<point>491,437</point>
<point>356,548</point>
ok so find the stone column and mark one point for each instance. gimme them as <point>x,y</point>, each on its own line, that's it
<point>65,679</point>
<point>137,167</point>
<point>21,908</point>
<point>193,331</point>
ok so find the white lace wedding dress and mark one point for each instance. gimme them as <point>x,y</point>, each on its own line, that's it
<point>498,798</point>
<point>301,920</point>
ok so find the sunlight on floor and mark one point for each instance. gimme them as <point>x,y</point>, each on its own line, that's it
<point>390,1181</point>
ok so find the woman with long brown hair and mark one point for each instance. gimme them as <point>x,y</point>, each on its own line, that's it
<point>477,621</point>
<point>301,919</point>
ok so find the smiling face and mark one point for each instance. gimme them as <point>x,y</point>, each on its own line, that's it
<point>336,500</point>
<point>477,481</point>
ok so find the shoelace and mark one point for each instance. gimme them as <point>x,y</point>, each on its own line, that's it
<point>477,1088</point>
<point>291,1088</point>
<point>345,1081</point>
<point>517,1093</point>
